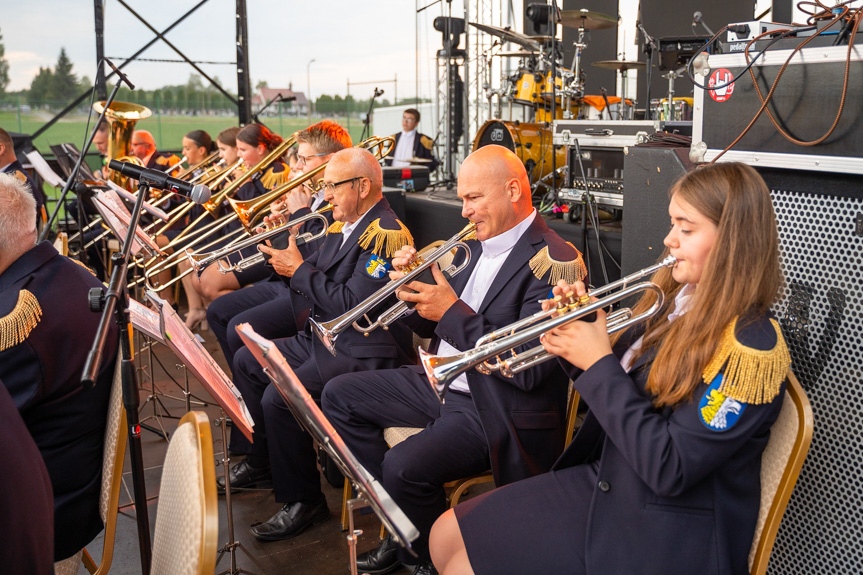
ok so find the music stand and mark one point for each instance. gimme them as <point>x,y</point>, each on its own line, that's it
<point>202,365</point>
<point>309,415</point>
<point>117,217</point>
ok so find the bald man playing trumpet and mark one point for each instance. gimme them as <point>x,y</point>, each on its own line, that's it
<point>513,426</point>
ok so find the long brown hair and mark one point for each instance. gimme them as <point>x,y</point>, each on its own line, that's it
<point>256,134</point>
<point>740,278</point>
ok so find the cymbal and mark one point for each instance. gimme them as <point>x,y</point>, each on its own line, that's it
<point>507,35</point>
<point>525,54</point>
<point>621,65</point>
<point>586,19</point>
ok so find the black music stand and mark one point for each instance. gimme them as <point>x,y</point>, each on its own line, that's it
<point>309,415</point>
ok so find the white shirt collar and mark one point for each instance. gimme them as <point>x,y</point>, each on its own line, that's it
<point>410,134</point>
<point>504,242</point>
<point>348,228</point>
<point>682,302</point>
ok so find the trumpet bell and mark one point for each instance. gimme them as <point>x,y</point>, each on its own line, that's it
<point>325,333</point>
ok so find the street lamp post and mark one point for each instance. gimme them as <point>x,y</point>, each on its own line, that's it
<point>309,90</point>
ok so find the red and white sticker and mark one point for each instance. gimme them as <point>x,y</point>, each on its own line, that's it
<point>722,78</point>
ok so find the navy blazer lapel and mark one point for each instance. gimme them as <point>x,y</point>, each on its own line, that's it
<point>517,259</point>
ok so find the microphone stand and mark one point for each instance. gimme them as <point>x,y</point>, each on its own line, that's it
<point>649,46</point>
<point>276,98</point>
<point>368,118</point>
<point>115,303</point>
<point>74,174</point>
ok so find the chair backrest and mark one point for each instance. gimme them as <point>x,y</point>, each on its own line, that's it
<point>187,518</point>
<point>790,438</point>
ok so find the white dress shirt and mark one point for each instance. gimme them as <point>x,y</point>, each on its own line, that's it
<point>494,252</point>
<point>348,228</point>
<point>404,149</point>
<point>682,303</point>
<point>317,200</point>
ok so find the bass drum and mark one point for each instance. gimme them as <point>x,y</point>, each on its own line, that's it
<point>530,142</point>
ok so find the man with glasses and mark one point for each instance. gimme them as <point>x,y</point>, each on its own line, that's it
<point>351,264</point>
<point>144,148</point>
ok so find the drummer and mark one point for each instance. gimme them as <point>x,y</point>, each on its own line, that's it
<point>411,145</point>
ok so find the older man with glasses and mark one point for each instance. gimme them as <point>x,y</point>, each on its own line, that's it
<point>351,264</point>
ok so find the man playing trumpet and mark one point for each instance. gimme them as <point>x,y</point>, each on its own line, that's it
<point>515,427</point>
<point>350,265</point>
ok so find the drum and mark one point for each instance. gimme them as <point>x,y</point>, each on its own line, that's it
<point>527,87</point>
<point>682,109</point>
<point>594,108</point>
<point>530,142</point>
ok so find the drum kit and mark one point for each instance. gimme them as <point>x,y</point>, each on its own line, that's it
<point>548,90</point>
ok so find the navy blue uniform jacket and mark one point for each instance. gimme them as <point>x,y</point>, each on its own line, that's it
<point>523,417</point>
<point>335,279</point>
<point>672,495</point>
<point>422,149</point>
<point>43,376</point>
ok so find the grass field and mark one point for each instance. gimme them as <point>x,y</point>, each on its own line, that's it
<point>167,130</point>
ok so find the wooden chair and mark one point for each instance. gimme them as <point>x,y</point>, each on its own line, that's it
<point>790,438</point>
<point>113,457</point>
<point>187,517</point>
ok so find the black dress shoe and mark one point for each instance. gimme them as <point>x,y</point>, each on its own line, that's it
<point>383,559</point>
<point>291,520</point>
<point>244,475</point>
<point>425,568</point>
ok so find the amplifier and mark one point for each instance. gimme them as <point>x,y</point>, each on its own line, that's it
<point>414,179</point>
<point>805,103</point>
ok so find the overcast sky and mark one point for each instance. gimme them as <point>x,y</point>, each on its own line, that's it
<point>356,40</point>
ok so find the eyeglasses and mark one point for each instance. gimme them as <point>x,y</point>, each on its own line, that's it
<point>301,160</point>
<point>331,188</point>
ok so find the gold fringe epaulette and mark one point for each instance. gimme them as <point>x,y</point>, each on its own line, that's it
<point>570,271</point>
<point>335,228</point>
<point>17,325</point>
<point>426,142</point>
<point>271,178</point>
<point>20,176</point>
<point>162,160</point>
<point>389,240</point>
<point>82,265</point>
<point>751,375</point>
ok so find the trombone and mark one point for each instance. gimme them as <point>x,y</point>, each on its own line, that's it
<point>443,370</point>
<point>200,261</point>
<point>327,332</point>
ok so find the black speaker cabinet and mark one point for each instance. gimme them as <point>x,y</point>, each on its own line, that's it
<point>820,221</point>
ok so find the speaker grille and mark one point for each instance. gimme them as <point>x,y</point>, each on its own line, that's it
<point>820,313</point>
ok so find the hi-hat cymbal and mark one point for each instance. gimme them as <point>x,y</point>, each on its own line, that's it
<point>586,19</point>
<point>621,65</point>
<point>508,35</point>
<point>525,54</point>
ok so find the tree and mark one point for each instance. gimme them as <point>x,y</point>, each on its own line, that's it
<point>40,87</point>
<point>4,67</point>
<point>64,85</point>
<point>261,84</point>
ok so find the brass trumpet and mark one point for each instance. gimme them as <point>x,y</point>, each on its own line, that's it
<point>201,261</point>
<point>327,332</point>
<point>443,370</point>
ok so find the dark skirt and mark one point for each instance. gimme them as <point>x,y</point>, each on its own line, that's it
<point>537,525</point>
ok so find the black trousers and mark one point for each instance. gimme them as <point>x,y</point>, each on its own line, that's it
<point>452,445</point>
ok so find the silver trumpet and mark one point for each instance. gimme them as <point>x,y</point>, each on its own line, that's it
<point>486,356</point>
<point>200,261</point>
<point>327,332</point>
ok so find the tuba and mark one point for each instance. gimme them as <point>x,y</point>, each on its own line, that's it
<point>121,118</point>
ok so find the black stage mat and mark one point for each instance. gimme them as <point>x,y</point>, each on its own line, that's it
<point>432,216</point>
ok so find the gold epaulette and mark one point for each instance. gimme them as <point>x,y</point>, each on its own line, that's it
<point>389,240</point>
<point>569,271</point>
<point>751,375</point>
<point>20,176</point>
<point>82,265</point>
<point>162,160</point>
<point>271,179</point>
<point>426,142</point>
<point>336,228</point>
<point>18,323</point>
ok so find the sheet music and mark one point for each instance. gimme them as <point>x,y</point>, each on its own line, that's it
<point>131,197</point>
<point>118,218</point>
<point>198,360</point>
<point>146,320</point>
<point>44,170</point>
<point>310,416</point>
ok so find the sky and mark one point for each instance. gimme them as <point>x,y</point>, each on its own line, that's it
<point>350,40</point>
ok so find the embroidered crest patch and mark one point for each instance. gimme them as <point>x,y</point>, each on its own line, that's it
<point>718,411</point>
<point>377,267</point>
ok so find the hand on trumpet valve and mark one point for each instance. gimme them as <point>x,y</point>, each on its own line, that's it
<point>402,261</point>
<point>285,262</point>
<point>581,343</point>
<point>298,198</point>
<point>431,301</point>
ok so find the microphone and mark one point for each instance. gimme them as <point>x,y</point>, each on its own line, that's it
<point>123,77</point>
<point>378,92</point>
<point>198,193</point>
<point>696,18</point>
